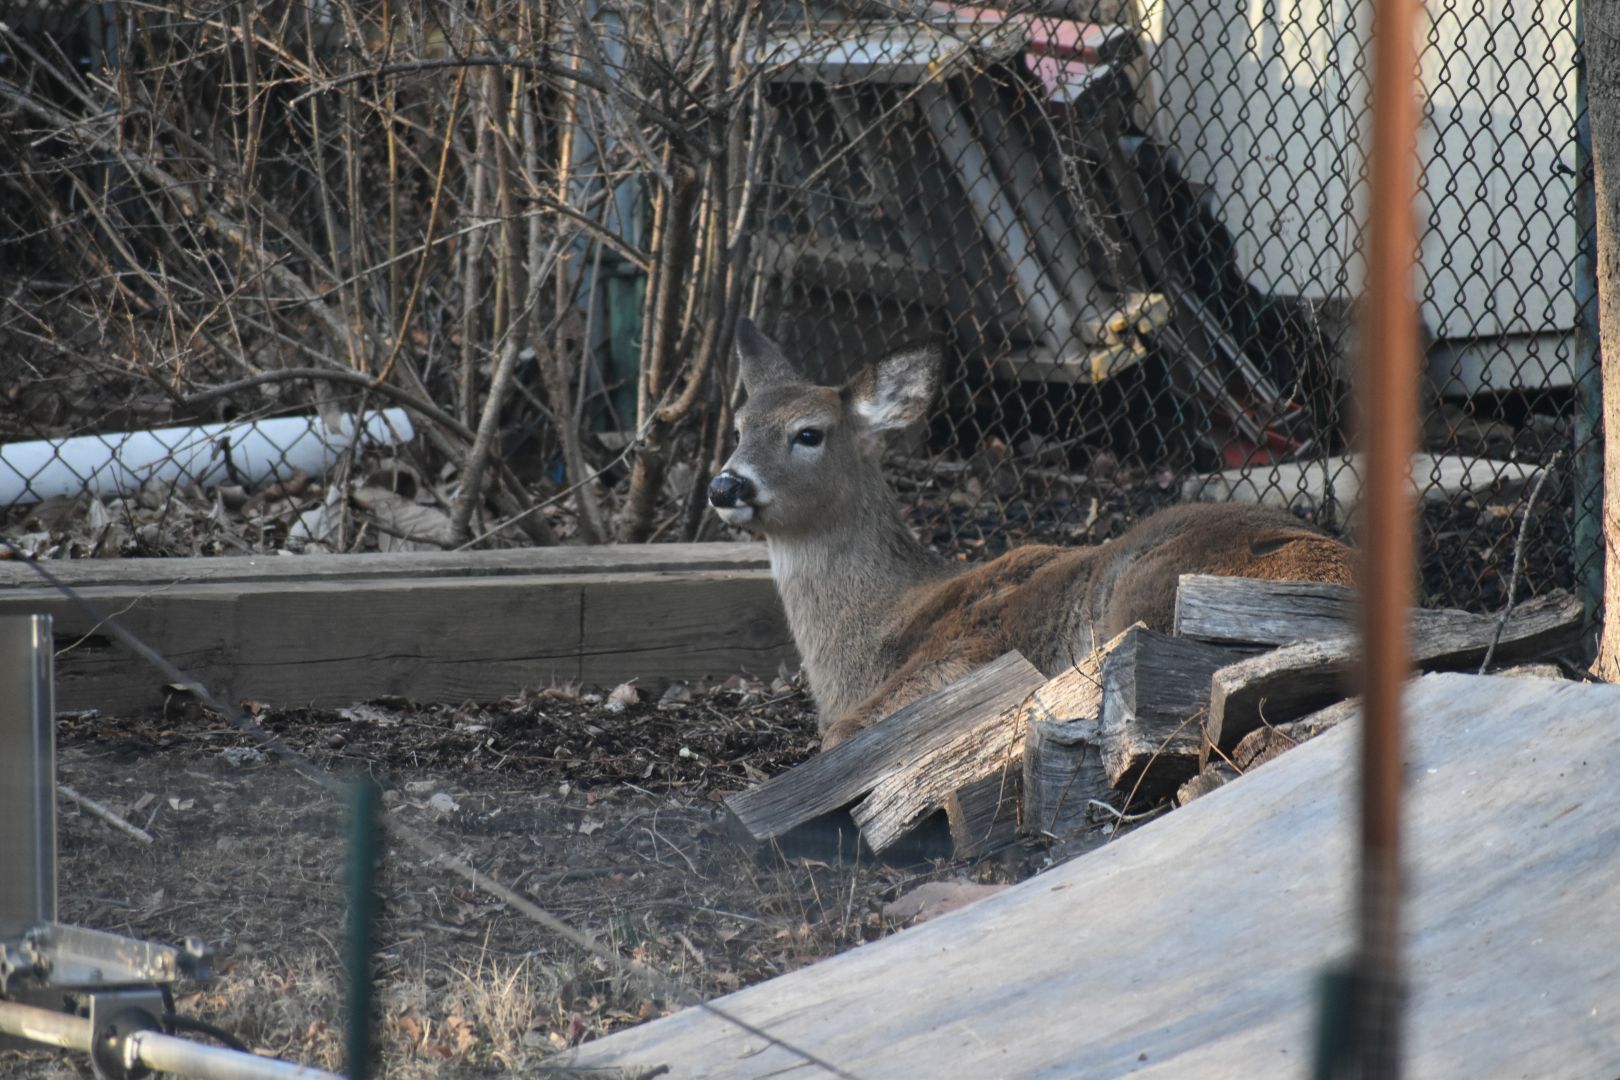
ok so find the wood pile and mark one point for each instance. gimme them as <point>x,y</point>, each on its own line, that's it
<point>1252,669</point>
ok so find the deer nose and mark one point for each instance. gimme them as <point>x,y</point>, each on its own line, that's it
<point>728,490</point>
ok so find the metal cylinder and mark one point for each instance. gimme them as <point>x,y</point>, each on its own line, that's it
<point>27,774</point>
<point>44,1026</point>
<point>167,1053</point>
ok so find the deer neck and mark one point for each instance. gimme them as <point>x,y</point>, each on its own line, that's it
<point>843,590</point>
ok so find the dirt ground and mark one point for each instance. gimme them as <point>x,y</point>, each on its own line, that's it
<point>608,817</point>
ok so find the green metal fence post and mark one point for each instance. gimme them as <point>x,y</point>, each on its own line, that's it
<point>362,916</point>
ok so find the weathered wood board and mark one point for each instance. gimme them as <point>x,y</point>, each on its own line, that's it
<point>1191,946</point>
<point>429,626</point>
<point>1256,612</point>
<point>1251,611</point>
<point>1155,691</point>
<point>603,558</point>
<point>1285,684</point>
<point>836,778</point>
<point>983,816</point>
<point>1063,768</point>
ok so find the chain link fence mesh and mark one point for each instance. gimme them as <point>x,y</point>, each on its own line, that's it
<point>1140,234</point>
<point>350,277</point>
<point>1134,227</point>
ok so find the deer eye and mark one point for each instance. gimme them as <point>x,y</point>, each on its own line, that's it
<point>809,436</point>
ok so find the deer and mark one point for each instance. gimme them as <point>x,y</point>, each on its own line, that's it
<point>879,619</point>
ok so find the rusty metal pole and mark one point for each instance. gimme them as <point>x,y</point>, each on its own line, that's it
<point>1389,382</point>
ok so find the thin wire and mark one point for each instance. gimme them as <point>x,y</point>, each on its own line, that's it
<point>426,845</point>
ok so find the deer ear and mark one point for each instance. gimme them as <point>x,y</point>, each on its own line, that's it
<point>897,391</point>
<point>759,362</point>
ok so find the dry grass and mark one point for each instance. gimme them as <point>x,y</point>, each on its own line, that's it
<point>611,820</point>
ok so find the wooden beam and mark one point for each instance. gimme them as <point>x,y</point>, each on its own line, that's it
<point>598,559</point>
<point>1265,743</point>
<point>1156,689</point>
<point>1250,611</point>
<point>1284,685</point>
<point>1255,612</point>
<point>330,634</point>
<point>1062,758</point>
<point>988,740</point>
<point>983,815</point>
<point>837,778</point>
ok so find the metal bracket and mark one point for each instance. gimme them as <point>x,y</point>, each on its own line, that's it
<point>37,953</point>
<point>61,957</point>
<point>114,1016</point>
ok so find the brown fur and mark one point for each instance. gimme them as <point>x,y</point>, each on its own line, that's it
<point>1055,604</point>
<point>880,620</point>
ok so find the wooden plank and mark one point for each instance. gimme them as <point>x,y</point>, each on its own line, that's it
<point>672,626</point>
<point>1286,684</point>
<point>837,778</point>
<point>1234,610</point>
<point>333,642</point>
<point>983,815</point>
<point>984,746</point>
<point>1265,743</point>
<point>855,267</point>
<point>1210,777</point>
<point>605,558</point>
<point>1062,758</point>
<point>1156,689</point>
<point>1255,612</point>
<point>1510,819</point>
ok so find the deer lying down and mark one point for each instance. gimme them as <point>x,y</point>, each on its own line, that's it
<point>879,619</point>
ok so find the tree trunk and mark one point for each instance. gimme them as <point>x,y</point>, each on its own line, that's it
<point>1602,47</point>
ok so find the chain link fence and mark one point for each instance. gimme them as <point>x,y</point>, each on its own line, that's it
<point>346,276</point>
<point>1139,231</point>
<point>528,231</point>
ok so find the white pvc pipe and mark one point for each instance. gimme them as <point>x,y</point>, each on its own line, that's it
<point>120,463</point>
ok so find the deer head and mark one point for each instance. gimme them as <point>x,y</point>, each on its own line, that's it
<point>807,455</point>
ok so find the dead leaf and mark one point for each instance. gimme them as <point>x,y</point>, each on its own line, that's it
<point>623,696</point>
<point>418,528</point>
<point>463,1031</point>
<point>290,488</point>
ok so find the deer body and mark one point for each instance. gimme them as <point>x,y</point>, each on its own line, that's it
<point>880,620</point>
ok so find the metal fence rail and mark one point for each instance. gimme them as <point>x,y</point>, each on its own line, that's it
<point>1134,227</point>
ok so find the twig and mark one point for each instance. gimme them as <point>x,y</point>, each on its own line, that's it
<point>599,83</point>
<point>98,810</point>
<point>1518,558</point>
<point>1121,816</point>
<point>558,497</point>
<point>434,206</point>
